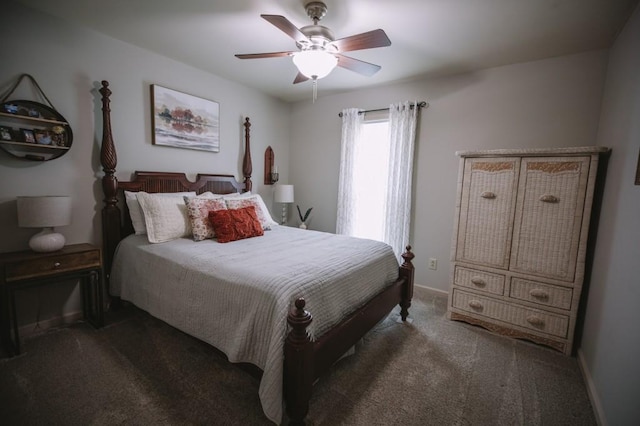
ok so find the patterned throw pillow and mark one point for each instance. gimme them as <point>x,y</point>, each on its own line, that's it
<point>237,224</point>
<point>198,211</point>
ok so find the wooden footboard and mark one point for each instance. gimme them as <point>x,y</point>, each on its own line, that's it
<point>305,360</point>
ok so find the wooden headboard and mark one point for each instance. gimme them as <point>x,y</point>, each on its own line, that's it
<point>116,222</point>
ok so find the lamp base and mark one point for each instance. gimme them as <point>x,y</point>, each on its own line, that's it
<point>46,241</point>
<point>283,220</point>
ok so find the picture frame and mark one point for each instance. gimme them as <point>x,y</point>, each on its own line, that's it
<point>5,133</point>
<point>43,137</point>
<point>186,121</point>
<point>28,136</point>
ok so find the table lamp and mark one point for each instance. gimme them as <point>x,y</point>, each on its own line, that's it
<point>283,194</point>
<point>45,212</point>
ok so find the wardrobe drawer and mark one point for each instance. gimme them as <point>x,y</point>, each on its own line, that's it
<point>479,280</point>
<point>543,294</point>
<point>533,319</point>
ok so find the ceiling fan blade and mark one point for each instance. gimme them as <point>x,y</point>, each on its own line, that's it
<point>368,40</point>
<point>287,27</point>
<point>300,78</point>
<point>263,55</point>
<point>361,67</point>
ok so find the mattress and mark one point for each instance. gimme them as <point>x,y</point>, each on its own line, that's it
<point>236,296</point>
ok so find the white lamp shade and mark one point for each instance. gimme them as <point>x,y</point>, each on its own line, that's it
<point>315,63</point>
<point>45,211</point>
<point>283,194</point>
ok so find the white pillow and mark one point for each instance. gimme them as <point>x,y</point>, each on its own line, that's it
<point>238,195</point>
<point>261,208</point>
<point>165,217</point>
<point>135,212</point>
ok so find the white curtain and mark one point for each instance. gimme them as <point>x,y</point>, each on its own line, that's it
<point>351,125</point>
<point>402,134</point>
<point>397,204</point>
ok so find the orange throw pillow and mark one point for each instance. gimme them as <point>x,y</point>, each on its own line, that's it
<point>235,224</point>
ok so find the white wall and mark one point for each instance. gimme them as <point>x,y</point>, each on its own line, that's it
<point>547,103</point>
<point>69,62</point>
<point>610,346</point>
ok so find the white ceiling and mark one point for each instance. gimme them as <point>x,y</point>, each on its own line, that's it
<point>429,37</point>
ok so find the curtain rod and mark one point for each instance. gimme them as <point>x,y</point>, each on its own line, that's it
<point>422,104</point>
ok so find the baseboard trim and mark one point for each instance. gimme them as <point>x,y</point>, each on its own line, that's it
<point>29,330</point>
<point>433,290</point>
<point>591,390</point>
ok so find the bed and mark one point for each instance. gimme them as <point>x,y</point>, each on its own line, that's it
<point>210,291</point>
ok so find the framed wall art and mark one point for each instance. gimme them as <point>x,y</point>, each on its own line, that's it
<point>28,136</point>
<point>184,121</point>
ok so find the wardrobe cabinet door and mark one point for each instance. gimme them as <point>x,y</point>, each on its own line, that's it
<point>487,207</point>
<point>548,216</point>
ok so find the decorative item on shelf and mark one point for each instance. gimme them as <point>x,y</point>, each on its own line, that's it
<point>57,135</point>
<point>43,137</point>
<point>28,136</point>
<point>11,108</point>
<point>284,195</point>
<point>303,217</point>
<point>45,212</point>
<point>5,133</point>
<point>270,171</point>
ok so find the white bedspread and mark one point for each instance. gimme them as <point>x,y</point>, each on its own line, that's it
<point>236,295</point>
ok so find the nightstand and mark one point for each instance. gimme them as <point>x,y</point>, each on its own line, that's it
<point>25,269</point>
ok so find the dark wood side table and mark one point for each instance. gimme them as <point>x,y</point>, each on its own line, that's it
<point>24,269</point>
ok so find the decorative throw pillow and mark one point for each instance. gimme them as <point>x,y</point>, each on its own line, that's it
<point>198,212</point>
<point>165,217</point>
<point>135,212</point>
<point>237,224</point>
<point>266,221</point>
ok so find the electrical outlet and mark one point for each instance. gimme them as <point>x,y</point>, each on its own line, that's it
<point>433,263</point>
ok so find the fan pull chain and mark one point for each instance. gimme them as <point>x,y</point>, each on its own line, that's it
<point>315,89</point>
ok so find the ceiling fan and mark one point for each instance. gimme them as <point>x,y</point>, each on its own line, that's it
<point>318,51</point>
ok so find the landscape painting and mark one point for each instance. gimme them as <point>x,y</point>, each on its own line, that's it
<point>184,121</point>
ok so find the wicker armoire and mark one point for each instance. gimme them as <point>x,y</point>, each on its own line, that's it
<point>520,241</point>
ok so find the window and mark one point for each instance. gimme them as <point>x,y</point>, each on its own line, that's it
<point>371,167</point>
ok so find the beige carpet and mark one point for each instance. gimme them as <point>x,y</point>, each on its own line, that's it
<point>140,371</point>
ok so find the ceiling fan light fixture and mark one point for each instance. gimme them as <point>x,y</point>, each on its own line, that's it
<point>315,63</point>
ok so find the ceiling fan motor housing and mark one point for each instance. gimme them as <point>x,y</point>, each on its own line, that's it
<point>320,36</point>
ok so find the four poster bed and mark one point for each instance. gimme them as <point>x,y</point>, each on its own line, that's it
<point>248,297</point>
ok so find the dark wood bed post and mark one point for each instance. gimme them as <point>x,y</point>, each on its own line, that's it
<point>298,364</point>
<point>407,272</point>
<point>110,213</point>
<point>247,167</point>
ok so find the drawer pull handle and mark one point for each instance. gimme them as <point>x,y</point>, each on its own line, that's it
<point>475,304</point>
<point>56,265</point>
<point>547,198</point>
<point>488,195</point>
<point>478,281</point>
<point>539,294</point>
<point>535,321</point>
